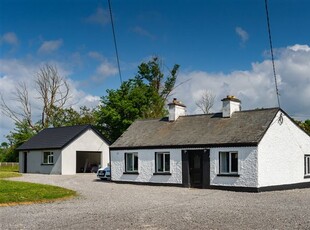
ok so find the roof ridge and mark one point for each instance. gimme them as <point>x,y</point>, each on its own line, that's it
<point>70,126</point>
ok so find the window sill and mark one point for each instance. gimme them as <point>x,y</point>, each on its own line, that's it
<point>306,176</point>
<point>46,164</point>
<point>132,173</point>
<point>162,173</point>
<point>229,175</point>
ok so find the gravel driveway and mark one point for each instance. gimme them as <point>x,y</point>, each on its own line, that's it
<point>106,205</point>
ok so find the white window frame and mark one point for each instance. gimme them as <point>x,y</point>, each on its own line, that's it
<point>307,165</point>
<point>163,163</point>
<point>133,162</point>
<point>50,158</point>
<point>229,171</point>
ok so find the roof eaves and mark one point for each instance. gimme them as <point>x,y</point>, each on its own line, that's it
<point>31,149</point>
<point>243,144</point>
<point>278,109</point>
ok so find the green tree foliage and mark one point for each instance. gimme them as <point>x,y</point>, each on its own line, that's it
<point>144,96</point>
<point>305,125</point>
<point>21,133</point>
<point>70,117</point>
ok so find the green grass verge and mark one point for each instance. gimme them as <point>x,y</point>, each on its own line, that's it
<point>9,168</point>
<point>7,174</point>
<point>15,192</point>
<point>12,192</point>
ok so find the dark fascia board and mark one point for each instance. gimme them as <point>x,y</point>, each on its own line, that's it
<point>294,122</point>
<point>279,109</point>
<point>73,138</point>
<point>288,116</point>
<point>101,135</point>
<point>82,132</point>
<point>248,144</point>
<point>21,150</point>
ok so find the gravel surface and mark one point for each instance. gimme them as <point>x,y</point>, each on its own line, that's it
<point>106,205</point>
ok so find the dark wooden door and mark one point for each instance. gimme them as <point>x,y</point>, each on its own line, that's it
<point>195,168</point>
<point>25,162</point>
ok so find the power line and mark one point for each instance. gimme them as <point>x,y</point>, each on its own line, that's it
<point>115,45</point>
<point>271,51</point>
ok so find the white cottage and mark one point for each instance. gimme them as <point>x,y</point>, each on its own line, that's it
<point>253,150</point>
<point>64,150</point>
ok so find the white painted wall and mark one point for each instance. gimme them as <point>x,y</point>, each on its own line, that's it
<point>88,141</point>
<point>146,166</point>
<point>229,107</point>
<point>281,154</point>
<point>247,167</point>
<point>35,162</point>
<point>175,111</point>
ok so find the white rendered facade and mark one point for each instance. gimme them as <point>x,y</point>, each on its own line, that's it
<point>64,160</point>
<point>278,159</point>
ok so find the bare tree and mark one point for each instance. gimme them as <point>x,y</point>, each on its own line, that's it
<point>53,92</point>
<point>206,102</point>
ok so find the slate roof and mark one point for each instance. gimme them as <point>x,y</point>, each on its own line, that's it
<point>56,138</point>
<point>243,128</point>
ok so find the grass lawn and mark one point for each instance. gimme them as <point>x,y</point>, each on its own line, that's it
<point>7,174</point>
<point>9,168</point>
<point>12,192</point>
<point>16,192</point>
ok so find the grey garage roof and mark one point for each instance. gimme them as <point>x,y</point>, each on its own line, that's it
<point>56,138</point>
<point>242,128</point>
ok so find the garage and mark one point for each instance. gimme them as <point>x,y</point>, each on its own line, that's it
<point>64,150</point>
<point>87,161</point>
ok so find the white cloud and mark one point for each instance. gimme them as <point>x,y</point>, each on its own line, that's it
<point>256,87</point>
<point>101,17</point>
<point>298,47</point>
<point>143,32</point>
<point>243,35</point>
<point>105,68</point>
<point>50,46</point>
<point>9,38</point>
<point>13,71</point>
<point>96,55</point>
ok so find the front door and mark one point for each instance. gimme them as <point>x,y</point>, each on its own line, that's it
<point>195,168</point>
<point>25,162</point>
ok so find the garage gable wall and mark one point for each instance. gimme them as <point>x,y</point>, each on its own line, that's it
<point>88,141</point>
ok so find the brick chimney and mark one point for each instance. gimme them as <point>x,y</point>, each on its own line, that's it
<point>176,109</point>
<point>231,104</point>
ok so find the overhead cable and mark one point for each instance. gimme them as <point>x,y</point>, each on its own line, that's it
<point>115,45</point>
<point>272,56</point>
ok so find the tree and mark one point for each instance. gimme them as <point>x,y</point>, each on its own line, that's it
<point>53,93</point>
<point>70,117</point>
<point>21,133</point>
<point>206,102</point>
<point>144,96</point>
<point>304,125</point>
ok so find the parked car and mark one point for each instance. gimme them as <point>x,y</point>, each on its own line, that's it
<point>104,173</point>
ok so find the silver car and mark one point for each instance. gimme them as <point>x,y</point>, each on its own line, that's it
<point>104,173</point>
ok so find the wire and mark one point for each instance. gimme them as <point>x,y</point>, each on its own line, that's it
<point>115,45</point>
<point>271,50</point>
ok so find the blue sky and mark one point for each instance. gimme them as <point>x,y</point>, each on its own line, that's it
<point>221,46</point>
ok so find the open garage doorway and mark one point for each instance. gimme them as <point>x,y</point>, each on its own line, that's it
<point>87,161</point>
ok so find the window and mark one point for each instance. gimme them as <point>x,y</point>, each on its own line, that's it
<point>48,158</point>
<point>307,165</point>
<point>162,162</point>
<point>131,162</point>
<point>228,162</point>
